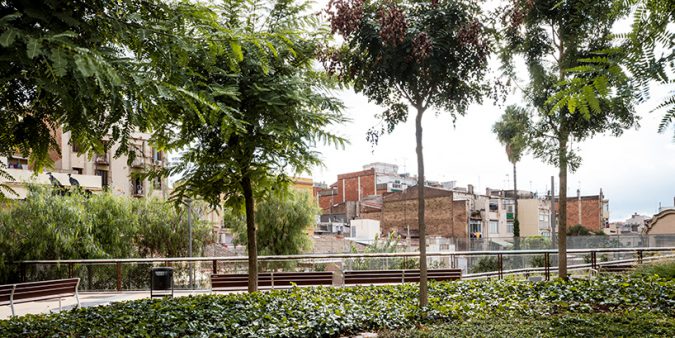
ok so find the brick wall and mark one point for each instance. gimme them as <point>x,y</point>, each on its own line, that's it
<point>591,212</point>
<point>443,216</point>
<point>348,185</point>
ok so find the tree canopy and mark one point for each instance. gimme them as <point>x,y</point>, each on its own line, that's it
<point>283,220</point>
<point>429,55</point>
<point>98,69</point>
<point>575,92</point>
<point>277,109</point>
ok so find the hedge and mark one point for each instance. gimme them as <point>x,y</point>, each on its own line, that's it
<point>329,312</point>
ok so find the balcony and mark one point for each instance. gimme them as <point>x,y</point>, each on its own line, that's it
<point>102,159</point>
<point>21,179</point>
<point>137,190</point>
<point>138,162</point>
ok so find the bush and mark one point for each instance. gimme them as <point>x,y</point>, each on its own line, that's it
<point>47,225</point>
<point>329,312</point>
<point>662,269</point>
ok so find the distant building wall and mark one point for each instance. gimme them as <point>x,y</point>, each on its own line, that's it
<point>443,216</point>
<point>592,215</point>
<point>662,223</point>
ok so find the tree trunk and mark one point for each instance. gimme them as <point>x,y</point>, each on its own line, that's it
<point>250,235</point>
<point>562,205</point>
<point>424,298</point>
<point>516,224</point>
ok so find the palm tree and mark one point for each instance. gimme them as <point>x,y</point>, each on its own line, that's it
<point>511,132</point>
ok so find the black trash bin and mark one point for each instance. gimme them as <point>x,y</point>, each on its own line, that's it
<point>161,282</point>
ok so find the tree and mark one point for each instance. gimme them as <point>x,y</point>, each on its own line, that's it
<point>99,69</point>
<point>282,221</point>
<point>512,133</point>
<point>429,55</point>
<point>278,109</point>
<point>575,92</point>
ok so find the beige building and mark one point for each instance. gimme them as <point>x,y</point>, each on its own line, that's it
<point>534,217</point>
<point>663,223</point>
<point>94,173</point>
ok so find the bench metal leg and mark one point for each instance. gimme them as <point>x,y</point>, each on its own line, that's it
<point>11,299</point>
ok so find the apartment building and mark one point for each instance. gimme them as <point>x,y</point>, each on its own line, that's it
<point>95,172</point>
<point>534,217</point>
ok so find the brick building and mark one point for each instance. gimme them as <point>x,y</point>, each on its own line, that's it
<point>592,212</point>
<point>444,217</point>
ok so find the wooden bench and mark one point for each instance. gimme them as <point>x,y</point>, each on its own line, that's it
<point>616,268</point>
<point>222,282</point>
<point>398,276</point>
<point>11,294</point>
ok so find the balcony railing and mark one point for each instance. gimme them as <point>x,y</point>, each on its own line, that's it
<point>103,159</point>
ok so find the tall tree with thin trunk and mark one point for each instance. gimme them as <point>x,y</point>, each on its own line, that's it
<point>278,109</point>
<point>511,131</point>
<point>575,92</point>
<point>411,54</point>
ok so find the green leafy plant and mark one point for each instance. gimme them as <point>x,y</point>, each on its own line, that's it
<point>331,312</point>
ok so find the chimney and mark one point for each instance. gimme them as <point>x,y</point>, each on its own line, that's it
<point>470,188</point>
<point>488,191</point>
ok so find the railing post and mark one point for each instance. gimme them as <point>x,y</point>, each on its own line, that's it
<point>639,254</point>
<point>594,260</point>
<point>70,270</point>
<point>22,269</point>
<point>500,262</point>
<point>215,266</point>
<point>118,266</point>
<point>547,266</point>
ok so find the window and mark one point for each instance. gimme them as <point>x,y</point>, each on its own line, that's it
<point>104,177</point>
<point>494,227</point>
<point>157,183</point>
<point>137,187</point>
<point>17,163</point>
<point>475,226</point>
<point>509,227</point>
<point>76,148</point>
<point>494,205</point>
<point>77,171</point>
<point>156,155</point>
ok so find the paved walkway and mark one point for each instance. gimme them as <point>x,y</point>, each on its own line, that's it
<point>87,299</point>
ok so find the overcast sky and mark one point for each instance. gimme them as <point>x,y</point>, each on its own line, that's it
<point>635,171</point>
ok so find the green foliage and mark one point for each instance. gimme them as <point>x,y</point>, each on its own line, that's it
<point>282,220</point>
<point>580,230</point>
<point>512,132</point>
<point>275,111</point>
<point>615,324</point>
<point>389,244</point>
<point>99,69</point>
<point>662,269</point>
<point>485,264</point>
<point>329,312</point>
<point>650,51</point>
<point>398,53</point>
<point>47,225</point>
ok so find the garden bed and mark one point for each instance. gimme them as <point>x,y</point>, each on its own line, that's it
<point>326,311</point>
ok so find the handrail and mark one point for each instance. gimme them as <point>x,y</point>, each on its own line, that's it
<point>344,255</point>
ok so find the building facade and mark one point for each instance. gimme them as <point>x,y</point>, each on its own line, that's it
<point>534,217</point>
<point>95,172</point>
<point>592,212</point>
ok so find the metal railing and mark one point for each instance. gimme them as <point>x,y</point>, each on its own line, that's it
<point>135,270</point>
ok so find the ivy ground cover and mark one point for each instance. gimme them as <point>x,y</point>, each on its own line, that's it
<point>329,312</point>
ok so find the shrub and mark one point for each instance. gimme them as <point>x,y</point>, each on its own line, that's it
<point>328,312</point>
